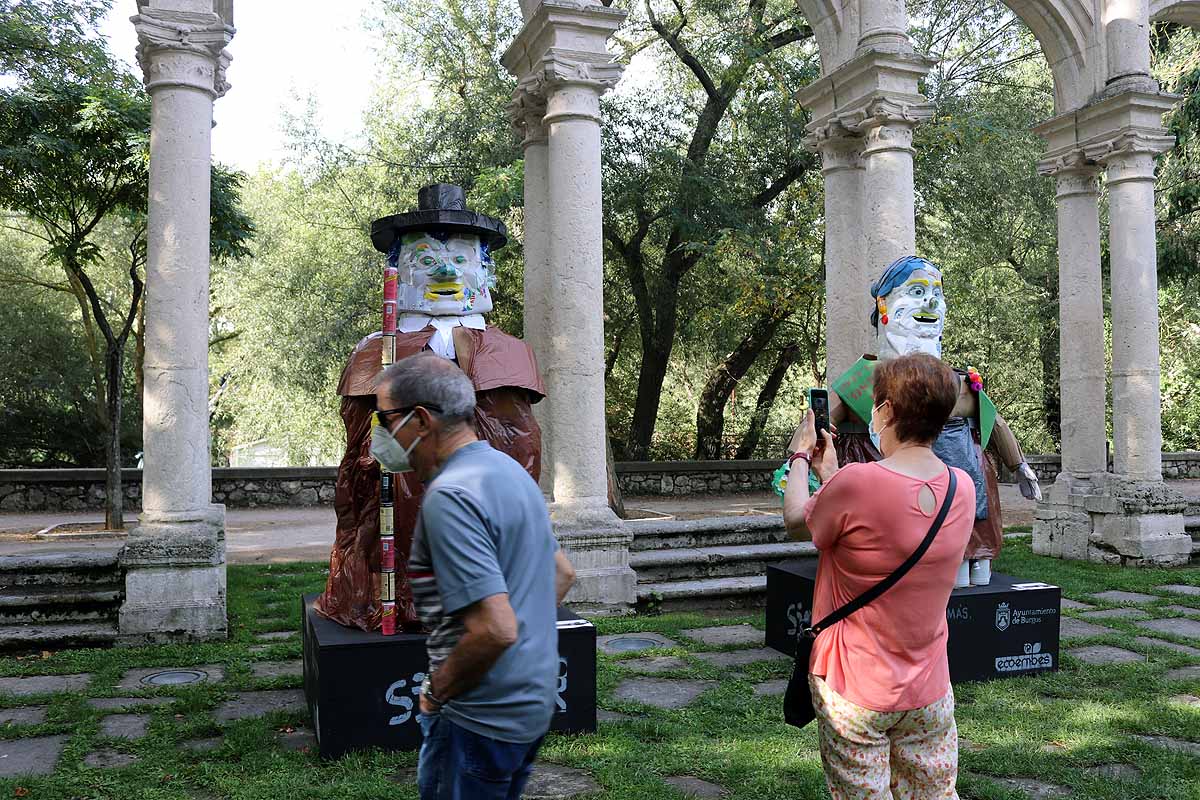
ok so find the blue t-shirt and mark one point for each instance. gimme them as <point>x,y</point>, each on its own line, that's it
<point>484,529</point>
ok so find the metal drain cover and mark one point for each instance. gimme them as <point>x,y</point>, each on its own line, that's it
<point>175,677</point>
<point>628,644</point>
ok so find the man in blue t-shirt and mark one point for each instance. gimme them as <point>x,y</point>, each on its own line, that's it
<point>487,576</point>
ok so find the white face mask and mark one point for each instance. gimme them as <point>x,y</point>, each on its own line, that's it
<point>448,276</point>
<point>916,317</point>
<point>388,452</point>
<point>874,434</point>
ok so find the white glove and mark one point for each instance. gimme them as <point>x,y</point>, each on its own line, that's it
<point>1028,482</point>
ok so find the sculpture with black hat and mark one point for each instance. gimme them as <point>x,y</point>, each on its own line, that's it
<point>361,686</point>
<point>438,283</point>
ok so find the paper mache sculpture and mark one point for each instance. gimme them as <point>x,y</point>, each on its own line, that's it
<point>909,317</point>
<point>437,288</point>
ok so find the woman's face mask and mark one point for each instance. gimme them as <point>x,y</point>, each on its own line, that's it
<point>388,452</point>
<point>874,434</point>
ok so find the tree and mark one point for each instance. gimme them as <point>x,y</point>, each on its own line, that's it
<point>714,180</point>
<point>52,39</point>
<point>74,156</point>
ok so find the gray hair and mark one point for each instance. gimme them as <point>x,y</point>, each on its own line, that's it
<point>428,379</point>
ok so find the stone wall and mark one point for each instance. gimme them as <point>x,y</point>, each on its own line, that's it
<point>83,489</point>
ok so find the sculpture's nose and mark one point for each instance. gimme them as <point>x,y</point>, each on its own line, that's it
<point>445,270</point>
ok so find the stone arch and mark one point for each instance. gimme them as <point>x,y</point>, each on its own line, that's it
<point>1184,12</point>
<point>835,29</point>
<point>1066,31</point>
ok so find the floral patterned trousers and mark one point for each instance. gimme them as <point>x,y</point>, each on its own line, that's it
<point>875,755</point>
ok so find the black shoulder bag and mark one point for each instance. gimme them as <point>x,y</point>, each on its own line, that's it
<point>797,703</point>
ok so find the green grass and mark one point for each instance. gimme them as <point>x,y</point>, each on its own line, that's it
<point>1051,728</point>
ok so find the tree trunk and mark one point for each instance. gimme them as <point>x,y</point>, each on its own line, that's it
<point>710,413</point>
<point>139,353</point>
<point>649,393</point>
<point>114,502</point>
<point>787,358</point>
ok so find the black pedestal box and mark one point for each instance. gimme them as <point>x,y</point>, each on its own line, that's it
<point>362,687</point>
<point>998,631</point>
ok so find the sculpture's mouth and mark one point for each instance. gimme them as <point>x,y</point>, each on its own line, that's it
<point>448,290</point>
<point>923,318</point>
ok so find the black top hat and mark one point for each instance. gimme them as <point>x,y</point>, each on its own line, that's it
<point>440,207</point>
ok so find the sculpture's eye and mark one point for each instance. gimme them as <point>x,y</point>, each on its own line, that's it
<point>460,259</point>
<point>429,261</point>
<point>917,291</point>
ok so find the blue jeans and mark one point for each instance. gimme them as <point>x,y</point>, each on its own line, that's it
<point>456,764</point>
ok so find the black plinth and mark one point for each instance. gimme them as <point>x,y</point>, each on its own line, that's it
<point>361,688</point>
<point>1002,630</point>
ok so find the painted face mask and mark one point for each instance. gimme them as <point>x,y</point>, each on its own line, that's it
<point>874,434</point>
<point>388,452</point>
<point>912,316</point>
<point>446,275</point>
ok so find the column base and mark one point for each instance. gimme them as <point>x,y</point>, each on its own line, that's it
<point>175,578</point>
<point>597,543</point>
<point>1112,520</point>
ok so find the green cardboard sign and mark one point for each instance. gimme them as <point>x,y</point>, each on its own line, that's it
<point>987,419</point>
<point>856,389</point>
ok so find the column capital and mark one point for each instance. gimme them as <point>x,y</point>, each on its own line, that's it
<point>526,111</point>
<point>1129,154</point>
<point>1073,172</point>
<point>839,147</point>
<point>183,49</point>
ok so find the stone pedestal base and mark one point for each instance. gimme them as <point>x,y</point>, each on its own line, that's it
<point>175,578</point>
<point>604,581</point>
<point>1113,521</point>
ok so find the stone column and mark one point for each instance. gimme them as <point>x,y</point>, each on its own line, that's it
<point>526,112</point>
<point>1065,529</point>
<point>561,57</point>
<point>889,212</point>
<point>1137,408</point>
<point>848,333</point>
<point>1127,44</point>
<point>175,558</point>
<point>1082,377</point>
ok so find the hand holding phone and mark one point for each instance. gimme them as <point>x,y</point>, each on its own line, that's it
<point>818,401</point>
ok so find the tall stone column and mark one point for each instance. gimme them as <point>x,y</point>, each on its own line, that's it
<point>1137,409</point>
<point>175,558</point>
<point>1083,382</point>
<point>887,188</point>
<point>561,57</point>
<point>1064,531</point>
<point>526,111</point>
<point>848,333</point>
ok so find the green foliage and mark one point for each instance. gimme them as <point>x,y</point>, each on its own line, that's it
<point>55,39</point>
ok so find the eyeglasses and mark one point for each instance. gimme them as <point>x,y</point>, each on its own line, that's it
<point>384,413</point>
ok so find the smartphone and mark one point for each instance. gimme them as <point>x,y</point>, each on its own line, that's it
<point>818,401</point>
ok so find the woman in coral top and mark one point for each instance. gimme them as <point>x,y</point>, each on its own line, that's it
<point>880,679</point>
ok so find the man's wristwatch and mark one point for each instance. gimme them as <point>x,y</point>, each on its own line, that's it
<point>427,691</point>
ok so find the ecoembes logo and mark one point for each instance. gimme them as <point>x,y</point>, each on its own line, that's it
<point>1032,658</point>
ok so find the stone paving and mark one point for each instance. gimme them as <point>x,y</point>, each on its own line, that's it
<point>740,658</point>
<point>1116,613</point>
<point>1187,610</point>
<point>1071,628</point>
<point>27,715</point>
<point>1115,596</point>
<point>1105,654</point>
<point>775,688</point>
<point>554,782</point>
<point>655,664</point>
<point>115,703</point>
<point>661,693</point>
<point>694,787</point>
<point>1178,588</point>
<point>277,669</point>
<point>109,759</point>
<point>1189,628</point>
<point>45,684</point>
<point>125,726</point>
<point>1146,641</point>
<point>1178,745</point>
<point>34,756</point>
<point>726,635</point>
<point>258,704</point>
<point>1074,605</point>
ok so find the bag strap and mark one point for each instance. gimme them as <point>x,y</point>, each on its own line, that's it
<point>872,594</point>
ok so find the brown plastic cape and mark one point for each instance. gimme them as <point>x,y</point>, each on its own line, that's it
<point>854,446</point>
<point>507,384</point>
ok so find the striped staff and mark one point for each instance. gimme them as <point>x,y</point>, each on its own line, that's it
<point>387,531</point>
